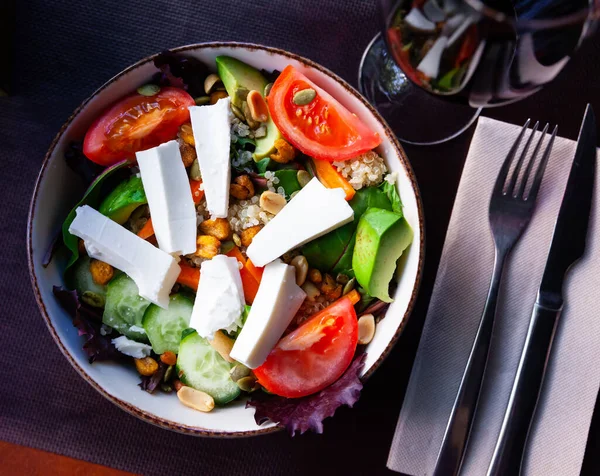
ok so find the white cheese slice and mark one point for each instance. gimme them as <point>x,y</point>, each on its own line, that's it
<point>210,126</point>
<point>153,270</point>
<point>276,303</point>
<point>314,211</point>
<point>132,348</point>
<point>220,298</point>
<point>170,199</point>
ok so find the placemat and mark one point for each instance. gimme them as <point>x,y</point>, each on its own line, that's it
<point>64,51</point>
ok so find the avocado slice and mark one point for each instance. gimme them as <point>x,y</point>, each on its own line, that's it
<point>381,238</point>
<point>123,200</point>
<point>237,75</point>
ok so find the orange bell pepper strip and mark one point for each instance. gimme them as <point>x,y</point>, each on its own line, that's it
<point>197,192</point>
<point>189,276</point>
<point>249,281</point>
<point>353,295</point>
<point>147,230</point>
<point>331,178</point>
<point>254,271</point>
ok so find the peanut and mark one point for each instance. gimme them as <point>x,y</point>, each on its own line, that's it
<point>315,276</point>
<point>257,106</point>
<point>223,345</point>
<point>242,187</point>
<point>219,228</point>
<point>301,265</point>
<point>195,399</point>
<point>146,366</point>
<point>272,202</point>
<point>101,272</point>
<point>249,233</point>
<point>285,152</point>
<point>168,358</point>
<point>207,246</point>
<point>366,329</point>
<point>210,82</point>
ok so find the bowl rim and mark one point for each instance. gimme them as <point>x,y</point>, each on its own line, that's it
<point>132,409</point>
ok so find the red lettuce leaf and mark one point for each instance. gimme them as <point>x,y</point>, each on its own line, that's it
<point>88,321</point>
<point>308,413</point>
<point>180,71</point>
<point>149,384</point>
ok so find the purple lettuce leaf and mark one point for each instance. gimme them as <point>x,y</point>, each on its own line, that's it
<point>80,164</point>
<point>88,321</point>
<point>149,384</point>
<point>308,413</point>
<point>181,71</point>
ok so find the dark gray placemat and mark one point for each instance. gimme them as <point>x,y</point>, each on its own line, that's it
<point>63,51</point>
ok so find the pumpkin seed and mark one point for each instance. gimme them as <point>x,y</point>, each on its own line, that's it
<point>247,384</point>
<point>165,387</point>
<point>195,170</point>
<point>93,299</point>
<point>267,90</point>
<point>312,292</point>
<point>241,94</point>
<point>304,97</point>
<point>342,278</point>
<point>239,371</point>
<point>349,286</point>
<point>148,90</point>
<point>196,399</point>
<point>168,373</point>
<point>301,265</point>
<point>210,82</point>
<point>303,177</point>
<point>237,112</point>
<point>293,194</point>
<point>252,124</point>
<point>237,240</point>
<point>366,329</point>
<point>202,100</point>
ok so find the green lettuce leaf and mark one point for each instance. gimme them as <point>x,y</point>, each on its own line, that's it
<point>392,194</point>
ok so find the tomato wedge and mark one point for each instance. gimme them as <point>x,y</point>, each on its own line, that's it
<point>323,128</point>
<point>313,356</point>
<point>136,123</point>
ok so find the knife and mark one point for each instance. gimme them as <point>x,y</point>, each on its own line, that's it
<point>568,245</point>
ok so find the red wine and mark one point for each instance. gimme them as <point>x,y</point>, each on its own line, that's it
<point>484,55</point>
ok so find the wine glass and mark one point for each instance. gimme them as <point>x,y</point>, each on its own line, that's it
<point>437,63</point>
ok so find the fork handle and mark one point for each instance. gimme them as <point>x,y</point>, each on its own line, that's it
<point>510,446</point>
<point>461,418</point>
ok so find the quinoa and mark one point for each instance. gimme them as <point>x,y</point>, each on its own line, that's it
<point>363,171</point>
<point>246,213</point>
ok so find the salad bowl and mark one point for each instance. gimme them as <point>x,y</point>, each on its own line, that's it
<point>58,189</point>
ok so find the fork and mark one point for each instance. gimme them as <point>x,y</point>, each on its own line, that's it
<point>511,208</point>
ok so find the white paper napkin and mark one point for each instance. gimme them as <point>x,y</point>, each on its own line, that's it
<point>564,412</point>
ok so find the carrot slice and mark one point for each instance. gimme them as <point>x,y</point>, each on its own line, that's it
<point>353,295</point>
<point>249,282</point>
<point>237,254</point>
<point>189,276</point>
<point>331,178</point>
<point>254,270</point>
<point>147,230</point>
<point>197,192</point>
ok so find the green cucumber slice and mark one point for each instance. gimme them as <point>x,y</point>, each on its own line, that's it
<point>125,308</point>
<point>202,367</point>
<point>164,326</point>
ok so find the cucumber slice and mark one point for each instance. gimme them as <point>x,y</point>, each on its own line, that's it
<point>164,326</point>
<point>81,279</point>
<point>125,308</point>
<point>202,367</point>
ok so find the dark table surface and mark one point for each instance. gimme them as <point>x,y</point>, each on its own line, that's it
<point>63,50</point>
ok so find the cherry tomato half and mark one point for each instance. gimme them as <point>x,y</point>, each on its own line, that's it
<point>136,123</point>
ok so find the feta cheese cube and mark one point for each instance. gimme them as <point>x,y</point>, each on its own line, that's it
<point>153,270</point>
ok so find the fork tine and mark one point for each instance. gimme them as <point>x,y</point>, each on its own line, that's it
<point>499,186</point>
<point>531,163</point>
<point>515,175</point>
<point>535,186</point>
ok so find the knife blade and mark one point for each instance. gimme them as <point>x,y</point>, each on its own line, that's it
<point>567,247</point>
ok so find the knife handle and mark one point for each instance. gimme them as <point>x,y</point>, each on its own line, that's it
<point>510,446</point>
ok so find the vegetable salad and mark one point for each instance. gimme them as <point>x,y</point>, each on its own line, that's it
<point>240,236</point>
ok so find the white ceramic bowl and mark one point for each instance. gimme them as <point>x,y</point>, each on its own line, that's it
<point>58,189</point>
